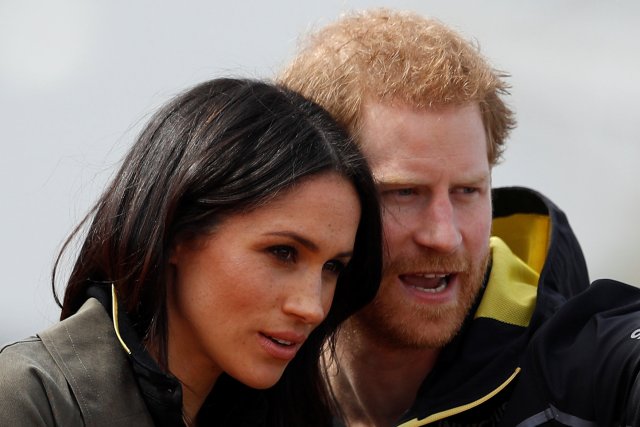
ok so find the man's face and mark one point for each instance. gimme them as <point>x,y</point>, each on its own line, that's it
<point>434,179</point>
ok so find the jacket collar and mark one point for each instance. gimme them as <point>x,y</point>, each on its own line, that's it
<point>162,392</point>
<point>97,370</point>
<point>229,403</point>
<point>483,359</point>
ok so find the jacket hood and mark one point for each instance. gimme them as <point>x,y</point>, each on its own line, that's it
<point>538,233</point>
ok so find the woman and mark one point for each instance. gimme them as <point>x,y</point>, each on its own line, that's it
<point>238,218</point>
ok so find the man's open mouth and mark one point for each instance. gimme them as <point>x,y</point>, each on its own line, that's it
<point>427,282</point>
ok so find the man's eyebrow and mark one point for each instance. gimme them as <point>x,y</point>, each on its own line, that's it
<point>306,242</point>
<point>390,180</point>
<point>479,179</point>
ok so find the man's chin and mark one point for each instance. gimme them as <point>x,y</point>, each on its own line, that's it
<point>424,328</point>
<point>395,320</point>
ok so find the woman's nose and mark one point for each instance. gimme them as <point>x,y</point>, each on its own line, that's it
<point>305,300</point>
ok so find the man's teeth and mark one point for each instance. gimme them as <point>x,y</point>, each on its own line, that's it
<point>433,276</point>
<point>282,342</point>
<point>440,288</point>
<point>442,279</point>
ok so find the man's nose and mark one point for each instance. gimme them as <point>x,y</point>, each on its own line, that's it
<point>437,228</point>
<point>304,300</point>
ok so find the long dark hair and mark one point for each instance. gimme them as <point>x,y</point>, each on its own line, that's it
<point>225,146</point>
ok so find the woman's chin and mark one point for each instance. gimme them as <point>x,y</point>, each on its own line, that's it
<point>260,380</point>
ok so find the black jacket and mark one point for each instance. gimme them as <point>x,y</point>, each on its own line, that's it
<point>541,347</point>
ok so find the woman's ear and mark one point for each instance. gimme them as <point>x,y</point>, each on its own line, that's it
<point>175,251</point>
<point>181,247</point>
<point>184,247</point>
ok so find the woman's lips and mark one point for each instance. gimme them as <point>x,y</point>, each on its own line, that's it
<point>281,345</point>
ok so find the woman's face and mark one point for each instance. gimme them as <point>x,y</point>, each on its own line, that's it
<point>244,298</point>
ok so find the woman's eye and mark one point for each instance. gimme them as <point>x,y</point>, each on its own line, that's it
<point>284,253</point>
<point>334,267</point>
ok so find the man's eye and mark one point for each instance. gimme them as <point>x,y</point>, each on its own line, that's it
<point>399,192</point>
<point>334,266</point>
<point>467,190</point>
<point>284,253</point>
<point>405,192</point>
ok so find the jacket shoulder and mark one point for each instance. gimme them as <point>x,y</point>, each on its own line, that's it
<point>74,373</point>
<point>585,361</point>
<point>87,352</point>
<point>33,391</point>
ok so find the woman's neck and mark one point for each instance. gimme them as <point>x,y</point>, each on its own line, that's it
<point>196,377</point>
<point>191,404</point>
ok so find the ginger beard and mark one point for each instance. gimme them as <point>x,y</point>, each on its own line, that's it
<point>396,321</point>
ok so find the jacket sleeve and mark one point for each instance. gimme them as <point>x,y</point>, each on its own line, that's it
<point>32,389</point>
<point>633,405</point>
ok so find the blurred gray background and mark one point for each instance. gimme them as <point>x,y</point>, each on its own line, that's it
<point>79,78</point>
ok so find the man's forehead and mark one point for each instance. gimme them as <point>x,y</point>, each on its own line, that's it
<point>401,137</point>
<point>393,161</point>
<point>376,109</point>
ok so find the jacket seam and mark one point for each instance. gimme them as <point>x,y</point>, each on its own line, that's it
<point>553,413</point>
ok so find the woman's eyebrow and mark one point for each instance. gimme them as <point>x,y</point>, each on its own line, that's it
<point>306,242</point>
<point>295,236</point>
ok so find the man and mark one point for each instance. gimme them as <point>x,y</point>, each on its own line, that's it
<point>467,329</point>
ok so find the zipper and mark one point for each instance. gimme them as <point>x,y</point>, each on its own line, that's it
<point>459,409</point>
<point>114,314</point>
